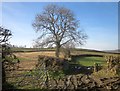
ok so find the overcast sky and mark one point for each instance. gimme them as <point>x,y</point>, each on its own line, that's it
<point>98,20</point>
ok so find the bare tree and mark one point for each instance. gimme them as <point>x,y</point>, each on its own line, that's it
<point>57,26</point>
<point>4,35</point>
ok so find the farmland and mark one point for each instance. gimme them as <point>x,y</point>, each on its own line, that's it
<point>31,55</point>
<point>24,77</point>
<point>89,61</point>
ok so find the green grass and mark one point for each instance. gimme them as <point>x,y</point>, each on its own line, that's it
<point>89,61</point>
<point>25,59</point>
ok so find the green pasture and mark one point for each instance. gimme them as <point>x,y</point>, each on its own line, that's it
<point>89,61</point>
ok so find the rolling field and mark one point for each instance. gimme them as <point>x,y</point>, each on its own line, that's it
<point>27,75</point>
<point>33,55</point>
<point>28,59</point>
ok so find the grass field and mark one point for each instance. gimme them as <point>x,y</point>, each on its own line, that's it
<point>28,59</point>
<point>33,55</point>
<point>89,61</point>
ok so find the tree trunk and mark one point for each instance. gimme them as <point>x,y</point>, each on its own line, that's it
<point>0,74</point>
<point>57,52</point>
<point>3,74</point>
<point>3,69</point>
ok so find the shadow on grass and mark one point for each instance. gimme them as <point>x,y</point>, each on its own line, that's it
<point>87,55</point>
<point>8,87</point>
<point>75,69</point>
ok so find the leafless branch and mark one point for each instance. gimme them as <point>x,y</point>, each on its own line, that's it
<point>60,25</point>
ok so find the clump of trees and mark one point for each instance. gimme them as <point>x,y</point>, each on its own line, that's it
<point>57,26</point>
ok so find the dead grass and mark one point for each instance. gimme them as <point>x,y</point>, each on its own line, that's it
<point>105,73</point>
<point>27,65</point>
<point>28,60</point>
<point>34,55</point>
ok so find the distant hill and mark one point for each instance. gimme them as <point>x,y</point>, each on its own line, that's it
<point>103,51</point>
<point>113,51</point>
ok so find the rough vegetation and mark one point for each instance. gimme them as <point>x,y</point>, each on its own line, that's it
<point>50,74</point>
<point>85,81</point>
<point>113,63</point>
<point>9,60</point>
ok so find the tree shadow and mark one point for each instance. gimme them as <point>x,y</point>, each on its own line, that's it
<point>87,55</point>
<point>8,87</point>
<point>74,69</point>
